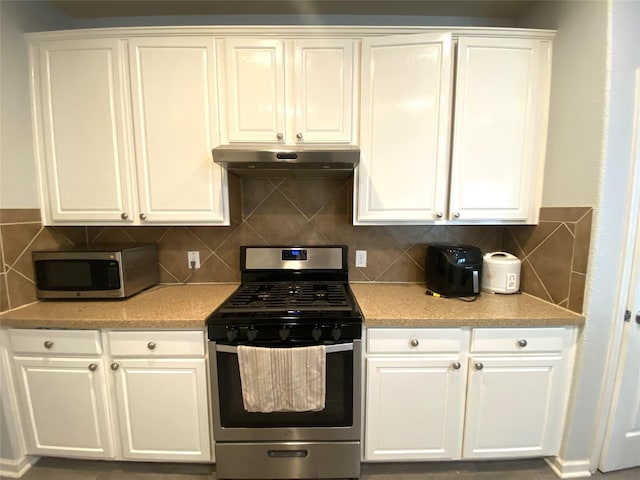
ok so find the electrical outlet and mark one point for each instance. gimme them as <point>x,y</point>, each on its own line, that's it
<point>194,260</point>
<point>361,258</point>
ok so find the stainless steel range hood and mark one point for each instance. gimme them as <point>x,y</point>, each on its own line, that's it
<point>259,160</point>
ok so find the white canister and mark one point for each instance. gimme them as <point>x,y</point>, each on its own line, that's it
<point>500,273</point>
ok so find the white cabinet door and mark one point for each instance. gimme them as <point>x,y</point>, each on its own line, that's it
<point>406,111</point>
<point>173,85</point>
<point>514,406</point>
<point>163,409</point>
<point>415,408</point>
<point>85,146</point>
<point>323,83</point>
<point>64,406</point>
<point>254,99</point>
<point>499,136</point>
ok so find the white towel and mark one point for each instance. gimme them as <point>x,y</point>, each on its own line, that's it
<point>283,379</point>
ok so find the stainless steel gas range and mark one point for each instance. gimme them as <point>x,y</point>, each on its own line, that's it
<point>289,297</point>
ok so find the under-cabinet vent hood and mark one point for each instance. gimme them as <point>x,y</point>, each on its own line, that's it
<point>258,160</point>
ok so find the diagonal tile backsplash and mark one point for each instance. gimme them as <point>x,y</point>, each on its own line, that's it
<point>276,211</point>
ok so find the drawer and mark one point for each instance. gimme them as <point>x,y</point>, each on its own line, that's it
<point>55,342</point>
<point>523,340</point>
<point>414,340</point>
<point>156,343</point>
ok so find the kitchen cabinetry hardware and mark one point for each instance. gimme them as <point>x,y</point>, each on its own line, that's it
<point>143,216</point>
<point>93,367</point>
<point>124,216</point>
<point>439,214</point>
<point>638,318</point>
<point>299,136</point>
<point>280,136</point>
<point>115,366</point>
<point>456,365</point>
<point>151,345</point>
<point>456,215</point>
<point>48,344</point>
<point>522,342</point>
<point>479,366</point>
<point>414,342</point>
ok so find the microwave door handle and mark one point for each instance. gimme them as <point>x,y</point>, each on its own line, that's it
<point>338,347</point>
<point>476,282</point>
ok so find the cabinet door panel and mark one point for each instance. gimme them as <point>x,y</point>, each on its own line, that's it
<point>163,409</point>
<point>514,407</point>
<point>85,146</point>
<point>499,133</point>
<point>323,82</point>
<point>406,98</point>
<point>174,112</point>
<point>414,409</point>
<point>65,406</point>
<point>254,75</point>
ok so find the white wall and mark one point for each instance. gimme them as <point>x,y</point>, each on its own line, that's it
<point>18,188</point>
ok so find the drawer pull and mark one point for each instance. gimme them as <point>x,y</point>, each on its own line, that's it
<point>456,365</point>
<point>151,345</point>
<point>479,366</point>
<point>115,366</point>
<point>522,342</point>
<point>414,342</point>
<point>93,367</point>
<point>48,344</point>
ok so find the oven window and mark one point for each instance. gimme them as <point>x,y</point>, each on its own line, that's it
<point>338,411</point>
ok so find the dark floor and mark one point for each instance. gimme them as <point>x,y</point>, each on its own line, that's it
<point>537,469</point>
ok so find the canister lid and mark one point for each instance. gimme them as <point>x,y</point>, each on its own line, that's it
<point>500,258</point>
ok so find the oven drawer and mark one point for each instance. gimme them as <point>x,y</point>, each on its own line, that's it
<point>55,342</point>
<point>414,340</point>
<point>156,343</point>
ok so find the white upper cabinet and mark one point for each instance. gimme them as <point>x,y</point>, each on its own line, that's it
<point>405,123</point>
<point>287,91</point>
<point>82,125</point>
<point>499,133</point>
<point>173,89</point>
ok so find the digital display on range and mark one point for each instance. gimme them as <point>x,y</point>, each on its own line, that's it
<point>294,254</point>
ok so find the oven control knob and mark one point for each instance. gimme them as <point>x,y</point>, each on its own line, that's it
<point>252,333</point>
<point>336,333</point>
<point>316,333</point>
<point>284,333</point>
<point>232,333</point>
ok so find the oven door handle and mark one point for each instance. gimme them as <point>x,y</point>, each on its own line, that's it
<point>338,347</point>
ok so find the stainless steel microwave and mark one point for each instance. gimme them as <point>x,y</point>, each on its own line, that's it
<point>95,271</point>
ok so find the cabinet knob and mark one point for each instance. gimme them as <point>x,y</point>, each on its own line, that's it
<point>279,135</point>
<point>522,342</point>
<point>48,344</point>
<point>299,136</point>
<point>438,214</point>
<point>456,215</point>
<point>93,367</point>
<point>456,365</point>
<point>414,342</point>
<point>115,366</point>
<point>151,345</point>
<point>479,366</point>
<point>124,216</point>
<point>143,216</point>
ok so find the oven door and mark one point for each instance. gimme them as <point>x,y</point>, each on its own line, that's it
<point>339,420</point>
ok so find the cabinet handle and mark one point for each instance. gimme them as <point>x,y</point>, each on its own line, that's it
<point>456,215</point>
<point>414,342</point>
<point>48,344</point>
<point>299,136</point>
<point>143,216</point>
<point>93,367</point>
<point>124,216</point>
<point>115,366</point>
<point>522,342</point>
<point>279,136</point>
<point>151,345</point>
<point>479,366</point>
<point>456,365</point>
<point>438,214</point>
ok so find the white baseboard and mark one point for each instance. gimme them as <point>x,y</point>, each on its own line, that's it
<point>17,468</point>
<point>573,469</point>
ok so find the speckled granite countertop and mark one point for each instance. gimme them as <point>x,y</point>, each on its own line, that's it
<point>383,305</point>
<point>406,305</point>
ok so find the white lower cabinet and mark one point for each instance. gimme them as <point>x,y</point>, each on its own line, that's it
<point>500,394</point>
<point>144,397</point>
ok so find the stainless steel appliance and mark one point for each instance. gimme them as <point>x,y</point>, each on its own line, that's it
<point>289,297</point>
<point>453,270</point>
<point>95,271</point>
